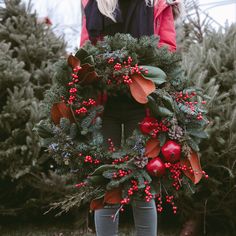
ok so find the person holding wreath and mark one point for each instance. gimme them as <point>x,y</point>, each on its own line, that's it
<point>137,18</point>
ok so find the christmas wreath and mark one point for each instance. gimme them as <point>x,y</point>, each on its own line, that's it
<point>162,154</point>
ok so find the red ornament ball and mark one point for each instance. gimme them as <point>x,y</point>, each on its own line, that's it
<point>171,151</point>
<point>156,167</point>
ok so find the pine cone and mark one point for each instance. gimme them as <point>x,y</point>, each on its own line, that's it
<point>175,132</point>
<point>140,161</point>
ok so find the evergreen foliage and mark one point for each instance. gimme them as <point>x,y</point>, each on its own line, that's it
<point>72,132</point>
<point>28,51</point>
<point>212,67</point>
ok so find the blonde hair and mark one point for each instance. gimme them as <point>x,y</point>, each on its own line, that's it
<point>108,7</point>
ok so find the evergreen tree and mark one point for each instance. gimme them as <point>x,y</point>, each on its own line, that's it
<point>211,65</point>
<point>28,51</point>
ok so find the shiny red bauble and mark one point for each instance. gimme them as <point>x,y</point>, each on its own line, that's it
<point>171,151</point>
<point>156,167</point>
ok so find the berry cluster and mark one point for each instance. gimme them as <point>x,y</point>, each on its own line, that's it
<point>176,170</point>
<point>90,159</point>
<point>90,102</point>
<point>159,203</point>
<point>111,146</point>
<point>152,126</point>
<point>160,127</point>
<point>73,90</point>
<point>127,70</point>
<point>133,188</point>
<point>148,194</point>
<point>176,173</point>
<point>85,106</point>
<point>82,110</point>
<point>125,201</point>
<point>185,98</point>
<point>120,160</point>
<point>169,199</point>
<point>121,173</point>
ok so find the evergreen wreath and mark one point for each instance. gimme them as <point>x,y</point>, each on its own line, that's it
<point>162,154</point>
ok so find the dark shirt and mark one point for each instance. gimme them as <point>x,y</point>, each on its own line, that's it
<point>132,16</point>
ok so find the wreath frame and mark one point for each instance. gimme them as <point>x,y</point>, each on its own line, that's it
<point>76,101</point>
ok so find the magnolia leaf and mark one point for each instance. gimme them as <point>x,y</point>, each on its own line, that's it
<point>193,145</point>
<point>82,54</point>
<point>96,179</point>
<point>163,112</point>
<point>113,184</point>
<point>96,204</point>
<point>113,196</point>
<point>152,104</point>
<point>154,74</point>
<point>192,161</point>
<point>87,75</point>
<point>73,61</point>
<point>102,168</point>
<point>61,110</point>
<point>140,88</point>
<point>152,148</point>
<point>198,133</point>
<point>168,102</point>
<point>108,174</point>
<point>89,60</point>
<point>162,138</point>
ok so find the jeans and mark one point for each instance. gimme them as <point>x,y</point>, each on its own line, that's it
<point>145,219</point>
<point>124,110</point>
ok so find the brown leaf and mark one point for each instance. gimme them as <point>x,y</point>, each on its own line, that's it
<point>113,196</point>
<point>89,78</point>
<point>73,61</point>
<point>140,88</point>
<point>96,204</point>
<point>193,161</point>
<point>87,74</point>
<point>152,148</point>
<point>61,110</point>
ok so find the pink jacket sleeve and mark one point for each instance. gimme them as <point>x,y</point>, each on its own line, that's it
<point>164,25</point>
<point>84,32</point>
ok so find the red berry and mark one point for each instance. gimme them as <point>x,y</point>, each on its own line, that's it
<point>147,125</point>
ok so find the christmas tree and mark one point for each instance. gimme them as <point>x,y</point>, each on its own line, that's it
<point>28,51</point>
<point>211,65</point>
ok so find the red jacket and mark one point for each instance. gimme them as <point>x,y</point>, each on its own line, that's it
<point>164,25</point>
